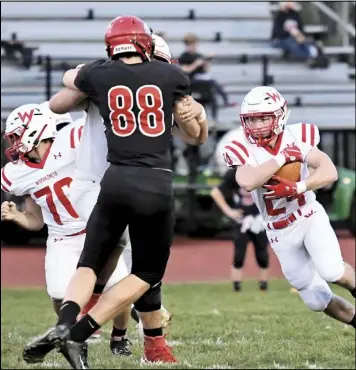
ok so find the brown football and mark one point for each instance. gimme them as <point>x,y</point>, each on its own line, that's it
<point>290,171</point>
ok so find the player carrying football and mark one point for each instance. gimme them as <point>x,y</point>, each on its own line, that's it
<point>297,225</point>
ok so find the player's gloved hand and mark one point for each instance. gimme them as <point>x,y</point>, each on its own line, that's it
<point>292,153</point>
<point>9,211</point>
<point>284,189</point>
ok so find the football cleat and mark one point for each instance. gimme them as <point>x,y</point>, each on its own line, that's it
<point>157,350</point>
<point>36,350</point>
<point>120,347</point>
<point>75,353</point>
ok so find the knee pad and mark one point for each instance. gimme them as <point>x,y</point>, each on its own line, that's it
<point>151,278</point>
<point>317,294</point>
<point>151,300</point>
<point>56,292</point>
<point>332,273</point>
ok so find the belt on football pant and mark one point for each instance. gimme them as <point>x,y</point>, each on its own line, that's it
<point>281,224</point>
<point>78,233</point>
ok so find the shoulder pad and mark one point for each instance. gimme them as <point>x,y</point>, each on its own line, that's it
<point>71,134</point>
<point>305,133</point>
<point>236,153</point>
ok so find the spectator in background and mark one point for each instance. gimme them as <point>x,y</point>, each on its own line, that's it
<point>288,35</point>
<point>237,204</point>
<point>197,68</point>
<point>192,62</point>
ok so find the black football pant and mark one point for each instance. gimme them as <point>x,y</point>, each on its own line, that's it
<point>260,243</point>
<point>141,198</point>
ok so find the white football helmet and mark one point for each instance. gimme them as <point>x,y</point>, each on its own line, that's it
<point>161,49</point>
<point>26,127</point>
<point>261,102</point>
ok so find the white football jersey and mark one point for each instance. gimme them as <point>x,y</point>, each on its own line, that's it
<point>48,182</point>
<point>91,161</point>
<point>241,152</point>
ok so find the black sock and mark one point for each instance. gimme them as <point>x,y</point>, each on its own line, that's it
<point>68,313</point>
<point>263,285</point>
<point>134,315</point>
<point>118,332</point>
<point>153,332</point>
<point>237,286</point>
<point>84,329</point>
<point>353,292</point>
<point>98,289</point>
<point>353,322</point>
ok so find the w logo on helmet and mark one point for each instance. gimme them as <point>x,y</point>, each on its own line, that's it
<point>274,96</point>
<point>25,115</point>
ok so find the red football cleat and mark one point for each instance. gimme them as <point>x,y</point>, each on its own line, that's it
<point>157,350</point>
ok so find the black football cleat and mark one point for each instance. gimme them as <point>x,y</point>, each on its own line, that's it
<point>263,286</point>
<point>37,350</point>
<point>75,353</point>
<point>120,347</point>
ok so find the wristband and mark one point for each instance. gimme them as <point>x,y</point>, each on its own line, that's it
<point>202,116</point>
<point>301,187</point>
<point>280,159</point>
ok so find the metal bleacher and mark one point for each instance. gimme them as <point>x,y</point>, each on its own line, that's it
<point>148,10</point>
<point>237,33</point>
<point>63,34</point>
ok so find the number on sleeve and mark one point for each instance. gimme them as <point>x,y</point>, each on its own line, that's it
<point>59,193</point>
<point>228,160</point>
<point>149,101</point>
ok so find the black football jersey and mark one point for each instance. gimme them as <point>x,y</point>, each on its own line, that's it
<point>136,102</point>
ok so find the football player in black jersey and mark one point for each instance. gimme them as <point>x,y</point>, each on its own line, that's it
<point>237,204</point>
<point>137,100</point>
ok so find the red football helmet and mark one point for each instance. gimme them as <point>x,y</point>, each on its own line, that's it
<point>129,34</point>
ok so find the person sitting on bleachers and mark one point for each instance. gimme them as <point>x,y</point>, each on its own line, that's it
<point>197,68</point>
<point>288,35</point>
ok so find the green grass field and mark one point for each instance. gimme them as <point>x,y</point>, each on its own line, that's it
<point>213,328</point>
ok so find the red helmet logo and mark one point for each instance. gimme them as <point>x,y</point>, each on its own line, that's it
<point>129,34</point>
